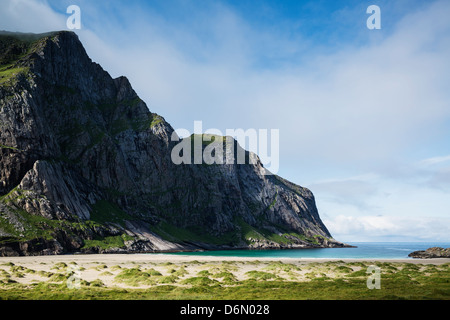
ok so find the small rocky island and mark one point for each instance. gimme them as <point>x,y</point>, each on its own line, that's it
<point>435,252</point>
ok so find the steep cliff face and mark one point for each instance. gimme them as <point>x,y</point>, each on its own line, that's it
<point>85,166</point>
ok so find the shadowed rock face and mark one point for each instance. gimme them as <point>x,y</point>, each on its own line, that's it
<point>430,253</point>
<point>85,166</point>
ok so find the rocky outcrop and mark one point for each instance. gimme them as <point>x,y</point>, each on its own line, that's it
<point>430,253</point>
<point>85,166</point>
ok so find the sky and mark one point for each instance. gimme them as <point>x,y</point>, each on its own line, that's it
<point>363,115</point>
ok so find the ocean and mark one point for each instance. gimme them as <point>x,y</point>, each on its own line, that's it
<point>363,250</point>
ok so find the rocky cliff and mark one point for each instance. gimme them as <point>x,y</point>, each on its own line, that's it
<point>431,253</point>
<point>85,166</point>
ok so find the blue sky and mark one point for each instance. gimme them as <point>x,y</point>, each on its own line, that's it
<point>364,115</point>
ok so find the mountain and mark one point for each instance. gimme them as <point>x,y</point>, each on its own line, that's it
<point>86,167</point>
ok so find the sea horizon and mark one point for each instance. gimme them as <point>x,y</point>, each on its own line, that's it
<point>362,250</point>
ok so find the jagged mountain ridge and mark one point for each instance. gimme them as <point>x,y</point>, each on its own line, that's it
<point>85,166</point>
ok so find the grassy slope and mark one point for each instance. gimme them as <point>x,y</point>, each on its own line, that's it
<point>36,227</point>
<point>14,48</point>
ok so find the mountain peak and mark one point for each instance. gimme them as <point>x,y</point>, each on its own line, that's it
<point>17,45</point>
<point>21,53</point>
<point>31,37</point>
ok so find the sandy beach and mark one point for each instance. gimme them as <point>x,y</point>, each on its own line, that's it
<point>105,267</point>
<point>164,258</point>
<point>168,276</point>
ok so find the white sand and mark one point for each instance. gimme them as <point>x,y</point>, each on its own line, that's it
<point>105,267</point>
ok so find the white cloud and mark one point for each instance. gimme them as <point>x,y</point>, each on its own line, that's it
<point>356,106</point>
<point>435,160</point>
<point>379,228</point>
<point>30,16</point>
<point>355,191</point>
<point>377,206</point>
<point>440,180</point>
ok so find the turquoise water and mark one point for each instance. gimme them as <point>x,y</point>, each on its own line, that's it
<point>364,250</point>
